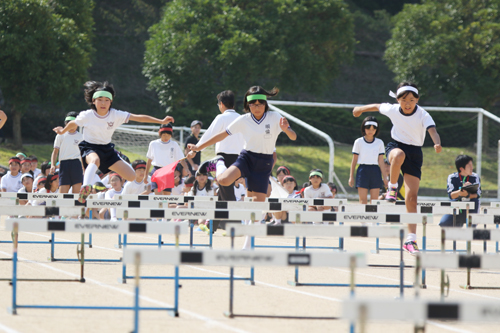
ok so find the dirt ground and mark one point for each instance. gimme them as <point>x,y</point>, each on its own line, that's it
<point>203,302</point>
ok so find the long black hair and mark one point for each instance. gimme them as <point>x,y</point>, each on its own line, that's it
<point>260,91</point>
<point>207,187</point>
<point>92,86</point>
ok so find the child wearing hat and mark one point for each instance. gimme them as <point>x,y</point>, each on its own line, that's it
<point>11,182</point>
<point>162,152</point>
<point>138,186</point>
<point>317,189</point>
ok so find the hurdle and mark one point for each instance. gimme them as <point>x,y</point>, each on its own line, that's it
<point>150,202</point>
<point>290,230</point>
<point>185,213</point>
<point>430,207</point>
<point>68,210</point>
<point>470,235</point>
<point>233,258</point>
<point>418,311</point>
<point>454,261</point>
<point>78,226</point>
<point>493,209</point>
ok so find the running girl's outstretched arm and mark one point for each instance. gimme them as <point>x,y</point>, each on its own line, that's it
<point>213,140</point>
<point>144,118</point>
<point>69,126</point>
<point>3,118</point>
<point>285,127</point>
<point>435,138</point>
<point>358,110</point>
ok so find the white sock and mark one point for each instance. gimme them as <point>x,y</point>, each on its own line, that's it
<point>248,240</point>
<point>88,176</point>
<point>411,238</point>
<point>220,168</point>
<point>277,221</point>
<point>393,185</point>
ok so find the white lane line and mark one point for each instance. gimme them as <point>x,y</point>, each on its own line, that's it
<point>446,327</point>
<point>7,329</point>
<point>208,321</point>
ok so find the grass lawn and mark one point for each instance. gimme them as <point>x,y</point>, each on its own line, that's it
<point>301,159</point>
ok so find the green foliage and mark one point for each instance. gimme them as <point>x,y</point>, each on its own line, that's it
<point>202,47</point>
<point>449,46</point>
<point>44,54</point>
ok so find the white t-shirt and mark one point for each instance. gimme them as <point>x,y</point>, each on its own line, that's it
<point>164,153</point>
<point>135,187</point>
<point>232,145</point>
<point>239,192</point>
<point>99,129</point>
<point>201,193</point>
<point>368,152</point>
<point>259,135</point>
<point>37,172</point>
<point>68,145</point>
<point>322,192</point>
<point>177,190</point>
<point>409,129</point>
<point>11,183</point>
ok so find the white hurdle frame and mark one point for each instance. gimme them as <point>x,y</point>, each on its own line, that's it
<point>82,226</point>
<point>233,258</point>
<point>296,230</point>
<point>418,311</point>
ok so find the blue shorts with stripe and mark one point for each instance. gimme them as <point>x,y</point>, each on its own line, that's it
<point>256,168</point>
<point>412,164</point>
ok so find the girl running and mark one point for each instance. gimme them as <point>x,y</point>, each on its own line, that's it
<point>100,122</point>
<point>368,152</point>
<point>260,129</point>
<point>409,124</point>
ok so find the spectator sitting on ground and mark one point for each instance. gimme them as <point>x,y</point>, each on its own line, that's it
<point>456,183</point>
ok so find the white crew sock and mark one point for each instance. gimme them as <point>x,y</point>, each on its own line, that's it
<point>277,221</point>
<point>220,168</point>
<point>248,240</point>
<point>393,185</point>
<point>88,176</point>
<point>411,238</point>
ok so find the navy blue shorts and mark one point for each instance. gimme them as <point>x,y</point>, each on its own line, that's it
<point>70,172</point>
<point>256,168</point>
<point>413,159</point>
<point>369,176</point>
<point>154,186</point>
<point>107,154</point>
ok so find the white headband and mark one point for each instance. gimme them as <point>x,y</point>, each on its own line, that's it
<point>368,123</point>
<point>403,89</point>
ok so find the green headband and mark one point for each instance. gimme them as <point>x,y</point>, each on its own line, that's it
<point>316,173</point>
<point>69,118</point>
<point>257,96</point>
<point>102,93</point>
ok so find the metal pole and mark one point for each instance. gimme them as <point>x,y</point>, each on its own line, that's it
<point>479,139</point>
<point>498,172</point>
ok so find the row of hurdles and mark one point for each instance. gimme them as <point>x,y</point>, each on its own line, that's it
<point>232,258</point>
<point>236,212</point>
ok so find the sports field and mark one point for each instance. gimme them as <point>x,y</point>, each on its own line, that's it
<point>202,303</point>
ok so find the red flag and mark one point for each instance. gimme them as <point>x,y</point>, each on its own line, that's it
<point>164,177</point>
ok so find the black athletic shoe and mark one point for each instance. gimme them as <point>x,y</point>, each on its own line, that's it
<point>209,167</point>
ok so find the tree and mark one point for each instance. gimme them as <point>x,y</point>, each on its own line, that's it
<point>452,47</point>
<point>201,47</point>
<point>45,51</point>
